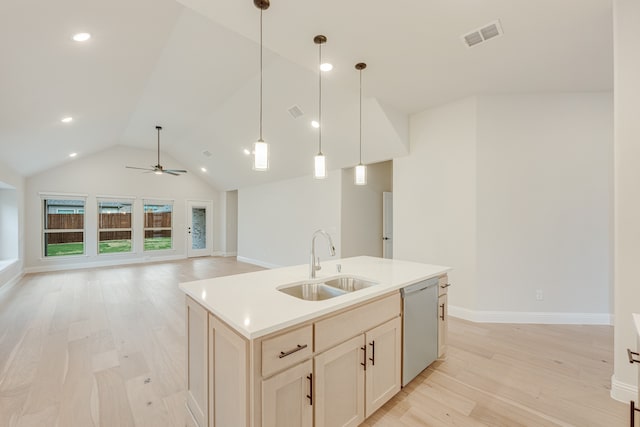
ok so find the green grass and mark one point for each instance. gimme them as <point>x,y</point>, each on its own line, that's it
<point>114,246</point>
<point>157,243</point>
<point>65,249</point>
<point>108,246</point>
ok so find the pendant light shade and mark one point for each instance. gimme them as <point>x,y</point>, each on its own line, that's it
<point>320,165</point>
<point>360,175</point>
<point>261,148</point>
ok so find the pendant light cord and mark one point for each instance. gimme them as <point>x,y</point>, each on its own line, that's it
<point>360,116</point>
<point>319,99</point>
<point>261,74</point>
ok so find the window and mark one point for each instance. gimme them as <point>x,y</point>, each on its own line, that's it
<point>158,225</point>
<point>63,231</point>
<point>115,231</point>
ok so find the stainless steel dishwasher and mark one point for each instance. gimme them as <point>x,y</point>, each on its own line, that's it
<point>420,327</point>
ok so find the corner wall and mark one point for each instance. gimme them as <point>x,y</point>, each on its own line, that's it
<point>514,193</point>
<point>12,273</point>
<point>626,15</point>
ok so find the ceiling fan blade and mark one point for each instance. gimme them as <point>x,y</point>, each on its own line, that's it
<point>142,169</point>
<point>176,170</point>
<point>170,172</point>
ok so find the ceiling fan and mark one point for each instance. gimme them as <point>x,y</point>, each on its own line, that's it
<point>158,168</point>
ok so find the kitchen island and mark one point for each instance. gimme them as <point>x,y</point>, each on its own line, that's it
<point>258,356</point>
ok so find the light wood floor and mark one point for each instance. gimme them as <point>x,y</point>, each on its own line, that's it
<point>105,347</point>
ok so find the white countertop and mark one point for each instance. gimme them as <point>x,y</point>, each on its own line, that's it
<point>636,321</point>
<point>251,303</point>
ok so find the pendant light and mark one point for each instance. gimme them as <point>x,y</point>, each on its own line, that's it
<point>261,148</point>
<point>361,170</point>
<point>320,166</point>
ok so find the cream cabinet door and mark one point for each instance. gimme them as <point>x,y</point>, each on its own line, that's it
<point>443,321</point>
<point>383,376</point>
<point>287,398</point>
<point>228,392</point>
<point>197,362</point>
<point>339,385</point>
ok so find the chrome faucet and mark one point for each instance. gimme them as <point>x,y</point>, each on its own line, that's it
<point>314,263</point>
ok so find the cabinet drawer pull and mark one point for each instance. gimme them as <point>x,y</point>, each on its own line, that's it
<point>632,411</point>
<point>445,286</point>
<point>364,357</point>
<point>310,395</point>
<point>287,353</point>
<point>442,315</point>
<point>373,353</point>
<point>631,354</point>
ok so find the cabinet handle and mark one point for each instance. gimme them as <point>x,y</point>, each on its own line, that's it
<point>287,353</point>
<point>445,286</point>
<point>442,307</point>
<point>373,353</point>
<point>631,354</point>
<point>364,358</point>
<point>310,395</point>
<point>632,411</point>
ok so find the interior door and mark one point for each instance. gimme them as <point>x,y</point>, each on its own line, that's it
<point>387,225</point>
<point>199,228</point>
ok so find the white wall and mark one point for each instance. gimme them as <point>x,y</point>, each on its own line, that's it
<point>104,174</point>
<point>544,186</point>
<point>361,211</point>
<point>514,193</point>
<point>231,217</point>
<point>276,220</point>
<point>14,180</point>
<point>9,222</point>
<point>434,195</point>
<point>627,200</point>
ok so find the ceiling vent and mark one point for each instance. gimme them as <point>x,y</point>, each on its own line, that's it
<point>206,153</point>
<point>483,34</point>
<point>296,112</point>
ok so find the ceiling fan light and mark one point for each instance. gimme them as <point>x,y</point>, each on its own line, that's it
<point>261,156</point>
<point>360,175</point>
<point>320,167</point>
<point>158,172</point>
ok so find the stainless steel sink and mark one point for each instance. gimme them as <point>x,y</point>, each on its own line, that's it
<point>349,284</point>
<point>312,291</point>
<point>318,291</point>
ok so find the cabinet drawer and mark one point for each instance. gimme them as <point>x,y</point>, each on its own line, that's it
<point>443,285</point>
<point>286,350</point>
<point>339,328</point>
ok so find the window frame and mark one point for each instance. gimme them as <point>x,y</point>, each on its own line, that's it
<point>125,200</point>
<point>157,202</point>
<point>44,198</point>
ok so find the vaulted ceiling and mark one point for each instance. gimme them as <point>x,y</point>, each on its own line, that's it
<point>192,67</point>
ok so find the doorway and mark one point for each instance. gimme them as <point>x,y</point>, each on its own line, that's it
<point>199,228</point>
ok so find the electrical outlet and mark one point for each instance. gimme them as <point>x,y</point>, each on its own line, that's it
<point>539,295</point>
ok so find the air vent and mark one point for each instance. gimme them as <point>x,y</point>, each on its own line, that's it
<point>206,153</point>
<point>296,112</point>
<point>483,34</point>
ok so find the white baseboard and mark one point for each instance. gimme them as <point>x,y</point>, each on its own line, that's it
<point>104,263</point>
<point>482,316</point>
<point>11,273</point>
<point>218,253</point>
<point>623,392</point>
<point>228,254</point>
<point>258,262</point>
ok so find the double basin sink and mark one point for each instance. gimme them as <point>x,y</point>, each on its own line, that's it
<point>322,290</point>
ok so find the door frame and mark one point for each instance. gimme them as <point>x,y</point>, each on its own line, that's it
<point>387,208</point>
<point>208,206</point>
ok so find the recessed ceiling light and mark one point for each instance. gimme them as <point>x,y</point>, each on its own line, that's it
<point>246,151</point>
<point>315,124</point>
<point>203,169</point>
<point>73,154</point>
<point>67,120</point>
<point>326,66</point>
<point>81,37</point>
